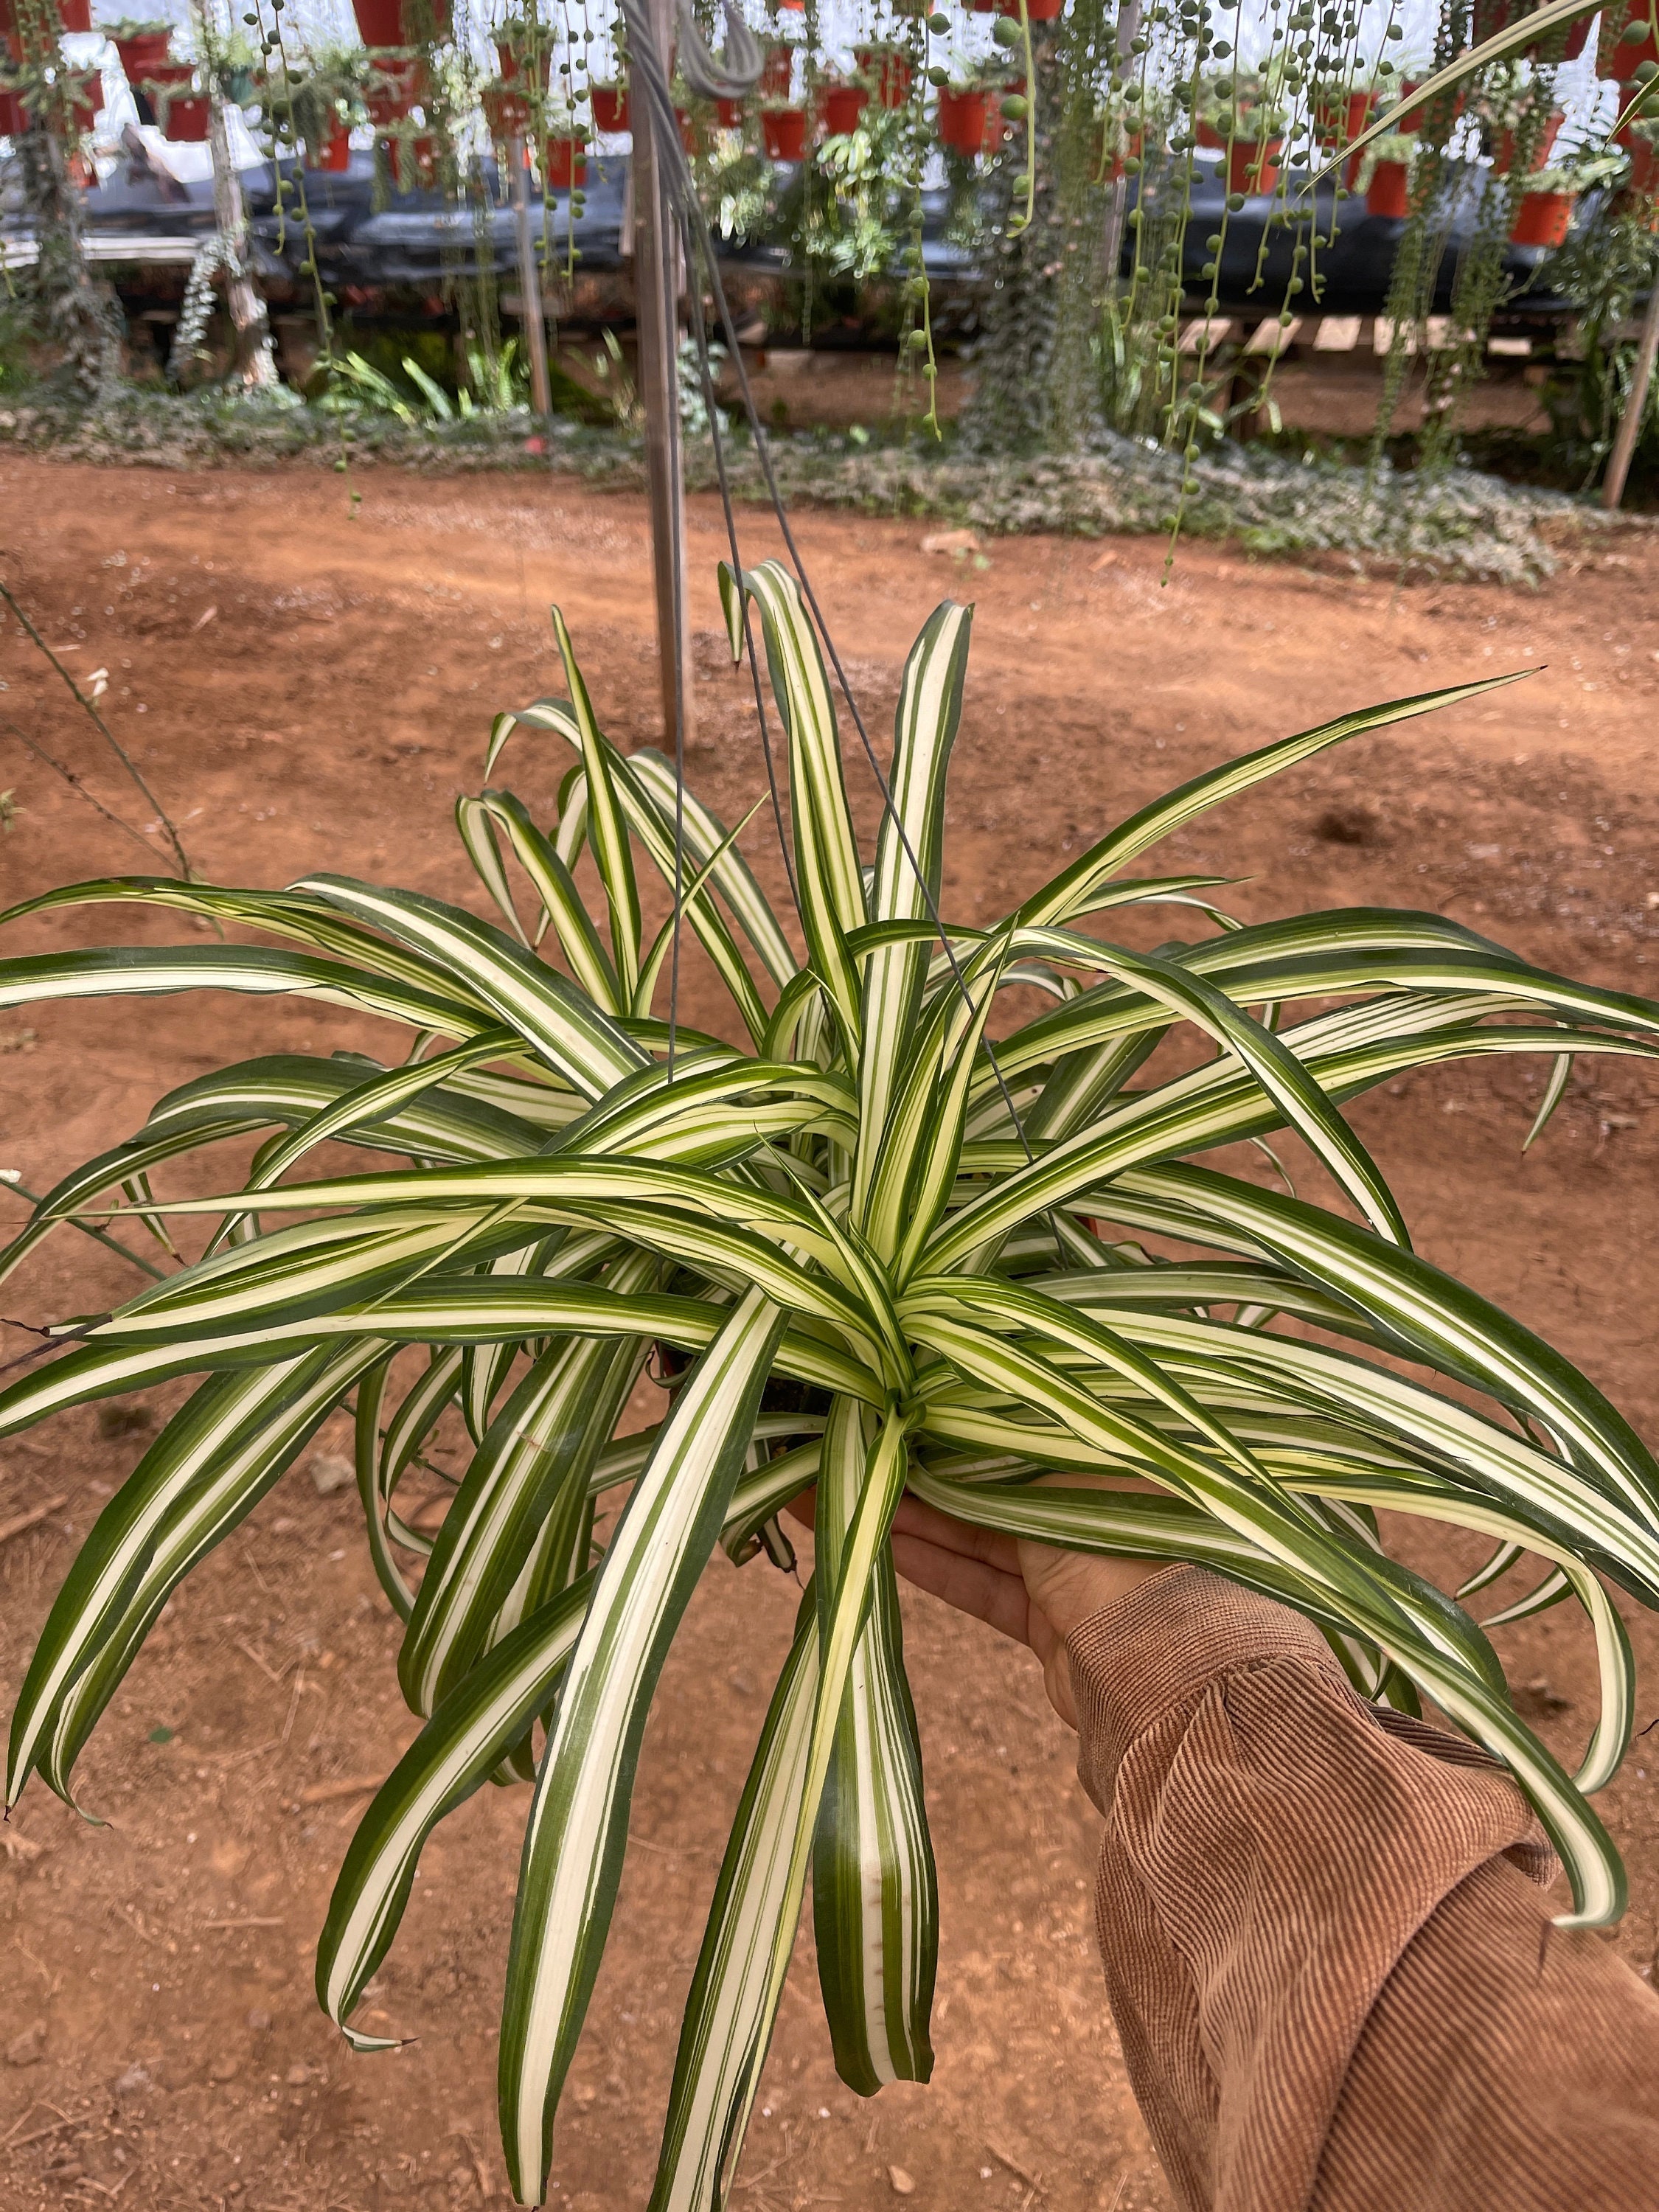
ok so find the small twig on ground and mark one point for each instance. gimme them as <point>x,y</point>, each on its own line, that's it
<point>245,1924</point>
<point>345,1785</point>
<point>1033,2181</point>
<point>98,1236</point>
<point>104,730</point>
<point>294,1704</point>
<point>31,1519</point>
<point>480,2170</point>
<point>76,785</point>
<point>40,2135</point>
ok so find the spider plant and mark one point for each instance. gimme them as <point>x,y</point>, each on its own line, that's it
<point>878,1251</point>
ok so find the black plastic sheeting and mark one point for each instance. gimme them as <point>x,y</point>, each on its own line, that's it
<point>414,240</point>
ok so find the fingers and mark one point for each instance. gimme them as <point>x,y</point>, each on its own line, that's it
<point>970,1586</point>
<point>933,1527</point>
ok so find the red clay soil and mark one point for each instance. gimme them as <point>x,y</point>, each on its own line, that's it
<point>309,688</point>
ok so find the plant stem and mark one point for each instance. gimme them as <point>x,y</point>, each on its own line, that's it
<point>98,1236</point>
<point>104,732</point>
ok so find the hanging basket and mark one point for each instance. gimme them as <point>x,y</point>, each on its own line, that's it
<point>778,70</point>
<point>564,165</point>
<point>505,111</point>
<point>333,156</point>
<point>1252,164</point>
<point>512,62</point>
<point>1542,219</point>
<point>1626,48</point>
<point>1505,155</point>
<point>962,116</point>
<point>841,107</point>
<point>144,53</point>
<point>610,107</point>
<point>783,132</point>
<point>889,71</point>
<point>1388,194</point>
<point>1492,16</point>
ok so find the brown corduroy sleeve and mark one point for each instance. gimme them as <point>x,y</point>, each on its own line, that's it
<point>1336,1980</point>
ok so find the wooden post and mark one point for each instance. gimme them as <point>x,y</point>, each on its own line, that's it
<point>1636,400</point>
<point>657,278</point>
<point>530,282</point>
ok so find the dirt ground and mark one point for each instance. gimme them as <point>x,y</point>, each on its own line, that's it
<point>308,687</point>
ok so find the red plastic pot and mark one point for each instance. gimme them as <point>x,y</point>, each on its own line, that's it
<point>74,15</point>
<point>505,111</point>
<point>402,85</point>
<point>1624,60</point>
<point>1414,120</point>
<point>1644,163</point>
<point>1036,11</point>
<point>143,54</point>
<point>333,156</point>
<point>1389,192</point>
<point>87,98</point>
<point>610,107</point>
<point>777,72</point>
<point>891,72</point>
<point>1207,135</point>
<point>1340,121</point>
<point>1542,219</point>
<point>1504,158</point>
<point>1492,16</point>
<point>842,105</point>
<point>1253,166</point>
<point>784,131</point>
<point>513,61</point>
<point>962,117</point>
<point>13,115</point>
<point>729,114</point>
<point>380,22</point>
<point>564,165</point>
<point>185,117</point>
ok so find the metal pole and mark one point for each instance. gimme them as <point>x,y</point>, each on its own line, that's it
<point>534,316</point>
<point>656,291</point>
<point>1636,400</point>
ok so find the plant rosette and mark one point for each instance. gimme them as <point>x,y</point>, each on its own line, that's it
<point>840,1186</point>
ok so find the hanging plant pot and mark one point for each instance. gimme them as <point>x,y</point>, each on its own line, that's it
<point>512,62</point>
<point>397,85</point>
<point>783,130</point>
<point>74,15</point>
<point>777,72</point>
<point>505,111</point>
<point>729,114</point>
<point>1207,135</point>
<point>841,105</point>
<point>962,116</point>
<point>1252,164</point>
<point>1492,16</point>
<point>1036,11</point>
<point>1389,193</point>
<point>1632,44</point>
<point>610,107</point>
<point>564,164</point>
<point>380,22</point>
<point>333,156</point>
<point>1337,121</point>
<point>888,70</point>
<point>1505,157</point>
<point>1414,120</point>
<point>144,53</point>
<point>186,121</point>
<point>1542,219</point>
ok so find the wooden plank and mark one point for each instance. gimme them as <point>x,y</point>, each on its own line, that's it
<point>1202,336</point>
<point>1337,334</point>
<point>1510,349</point>
<point>1273,336</point>
<point>1435,330</point>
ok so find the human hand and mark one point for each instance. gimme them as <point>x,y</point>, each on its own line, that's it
<point>1035,1593</point>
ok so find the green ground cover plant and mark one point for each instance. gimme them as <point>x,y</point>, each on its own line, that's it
<point>870,1250</point>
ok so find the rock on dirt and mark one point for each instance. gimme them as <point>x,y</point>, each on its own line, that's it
<point>28,2048</point>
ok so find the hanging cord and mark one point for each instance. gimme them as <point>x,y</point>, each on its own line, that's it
<point>674,182</point>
